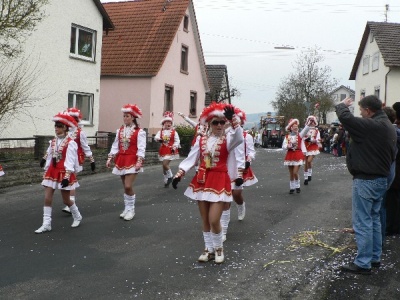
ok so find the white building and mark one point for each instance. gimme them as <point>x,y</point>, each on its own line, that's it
<point>376,68</point>
<point>63,55</point>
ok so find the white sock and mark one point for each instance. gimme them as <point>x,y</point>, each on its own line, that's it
<point>225,218</point>
<point>208,241</point>
<point>292,185</point>
<point>217,239</point>
<point>130,201</point>
<point>72,198</point>
<point>169,173</point>
<point>305,175</point>
<point>309,172</point>
<point>47,215</point>
<point>75,211</point>
<point>297,183</point>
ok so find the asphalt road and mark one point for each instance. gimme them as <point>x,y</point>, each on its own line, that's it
<point>283,249</point>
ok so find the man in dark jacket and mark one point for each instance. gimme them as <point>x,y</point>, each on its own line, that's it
<point>372,151</point>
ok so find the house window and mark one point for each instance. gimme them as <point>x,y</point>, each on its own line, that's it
<point>193,104</point>
<point>186,23</point>
<point>342,97</point>
<point>83,43</point>
<point>375,61</point>
<point>366,65</point>
<point>84,102</point>
<point>168,98</point>
<point>377,91</point>
<point>184,59</point>
<point>362,94</point>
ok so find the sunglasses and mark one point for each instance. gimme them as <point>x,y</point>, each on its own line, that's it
<point>215,122</point>
<point>59,125</point>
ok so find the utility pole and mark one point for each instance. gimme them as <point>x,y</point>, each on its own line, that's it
<point>386,12</point>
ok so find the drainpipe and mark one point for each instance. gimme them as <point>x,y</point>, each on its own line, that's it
<point>386,82</point>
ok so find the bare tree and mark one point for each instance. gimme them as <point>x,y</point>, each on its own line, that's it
<point>18,18</point>
<point>308,85</point>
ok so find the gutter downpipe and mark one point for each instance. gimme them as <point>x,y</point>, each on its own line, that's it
<point>386,84</point>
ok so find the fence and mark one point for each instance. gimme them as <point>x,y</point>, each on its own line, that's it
<point>20,156</point>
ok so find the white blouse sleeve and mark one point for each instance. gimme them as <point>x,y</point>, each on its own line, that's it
<point>240,155</point>
<point>251,152</point>
<point>303,146</point>
<point>304,131</point>
<point>84,145</point>
<point>114,148</point>
<point>192,158</point>
<point>177,140</point>
<point>49,157</point>
<point>141,143</point>
<point>285,143</point>
<point>234,138</point>
<point>191,122</point>
<point>71,159</point>
<point>157,136</point>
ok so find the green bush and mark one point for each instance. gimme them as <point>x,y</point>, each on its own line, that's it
<point>186,134</point>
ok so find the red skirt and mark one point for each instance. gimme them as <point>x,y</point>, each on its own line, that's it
<point>53,177</point>
<point>212,186</point>
<point>294,158</point>
<point>312,149</point>
<point>249,178</point>
<point>125,161</point>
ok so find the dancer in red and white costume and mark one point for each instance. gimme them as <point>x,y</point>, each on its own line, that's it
<point>60,167</point>
<point>128,152</point>
<point>79,136</point>
<point>211,186</point>
<point>170,143</point>
<point>242,175</point>
<point>294,144</point>
<point>1,171</point>
<point>312,140</point>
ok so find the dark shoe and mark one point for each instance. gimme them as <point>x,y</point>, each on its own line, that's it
<point>297,190</point>
<point>306,182</point>
<point>291,191</point>
<point>375,264</point>
<point>353,268</point>
<point>168,182</point>
<point>309,178</point>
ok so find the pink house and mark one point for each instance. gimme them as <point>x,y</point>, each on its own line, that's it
<point>153,59</point>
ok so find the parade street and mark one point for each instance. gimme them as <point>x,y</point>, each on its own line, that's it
<point>287,246</point>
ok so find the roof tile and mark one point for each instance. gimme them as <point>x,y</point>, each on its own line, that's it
<point>144,31</point>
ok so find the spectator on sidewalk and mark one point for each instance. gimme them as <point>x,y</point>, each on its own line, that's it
<point>393,194</point>
<point>371,153</point>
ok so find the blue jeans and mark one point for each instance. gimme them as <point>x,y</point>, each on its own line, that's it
<point>367,200</point>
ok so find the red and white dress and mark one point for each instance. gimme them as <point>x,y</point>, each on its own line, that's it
<point>211,182</point>
<point>314,144</point>
<point>170,144</point>
<point>1,171</point>
<point>61,157</point>
<point>250,153</point>
<point>295,147</point>
<point>129,144</point>
<point>242,152</point>
<point>80,138</point>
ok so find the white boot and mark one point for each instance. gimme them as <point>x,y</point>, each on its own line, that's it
<point>217,243</point>
<point>131,207</point>
<point>241,211</point>
<point>76,215</point>
<point>225,219</point>
<point>123,214</point>
<point>46,226</point>
<point>66,208</point>
<point>208,253</point>
<point>292,187</point>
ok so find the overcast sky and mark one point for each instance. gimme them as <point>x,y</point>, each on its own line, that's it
<point>242,34</point>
